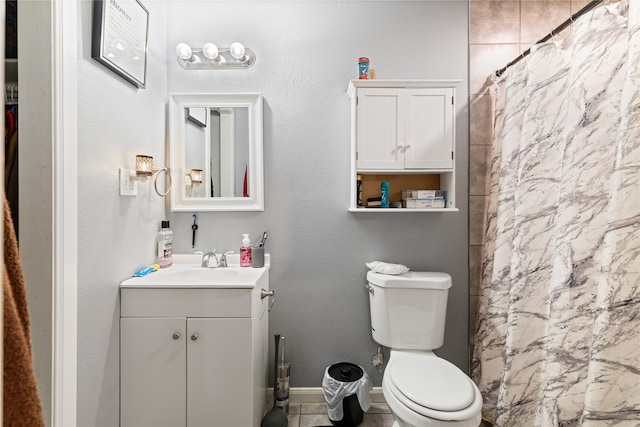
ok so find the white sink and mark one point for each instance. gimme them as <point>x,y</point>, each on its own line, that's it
<point>186,272</point>
<point>204,274</point>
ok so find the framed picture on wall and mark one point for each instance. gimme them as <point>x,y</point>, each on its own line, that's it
<point>120,38</point>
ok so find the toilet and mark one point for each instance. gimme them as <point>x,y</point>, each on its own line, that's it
<point>408,315</point>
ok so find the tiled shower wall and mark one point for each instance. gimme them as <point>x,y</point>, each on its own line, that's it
<point>499,30</point>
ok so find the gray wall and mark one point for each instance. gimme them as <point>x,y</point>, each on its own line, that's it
<point>116,234</point>
<point>306,54</point>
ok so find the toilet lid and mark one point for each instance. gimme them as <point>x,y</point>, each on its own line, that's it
<point>432,382</point>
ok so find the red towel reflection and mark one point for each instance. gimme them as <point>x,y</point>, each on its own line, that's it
<point>245,191</point>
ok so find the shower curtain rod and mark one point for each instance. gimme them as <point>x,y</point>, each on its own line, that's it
<point>592,4</point>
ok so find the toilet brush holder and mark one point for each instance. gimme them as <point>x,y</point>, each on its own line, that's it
<point>282,395</point>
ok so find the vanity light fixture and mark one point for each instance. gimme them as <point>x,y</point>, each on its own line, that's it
<point>212,57</point>
<point>144,165</point>
<point>145,168</point>
<point>196,176</point>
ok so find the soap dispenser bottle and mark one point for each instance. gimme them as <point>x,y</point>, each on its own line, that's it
<point>245,251</point>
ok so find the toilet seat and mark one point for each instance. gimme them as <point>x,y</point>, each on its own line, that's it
<point>432,387</point>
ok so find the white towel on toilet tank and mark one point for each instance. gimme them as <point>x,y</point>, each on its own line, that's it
<point>387,268</point>
<point>335,391</point>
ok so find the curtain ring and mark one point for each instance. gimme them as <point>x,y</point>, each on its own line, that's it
<point>155,183</point>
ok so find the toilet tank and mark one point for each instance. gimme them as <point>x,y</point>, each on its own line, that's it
<point>408,310</point>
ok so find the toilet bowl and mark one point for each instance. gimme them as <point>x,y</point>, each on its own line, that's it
<point>408,314</point>
<point>423,390</point>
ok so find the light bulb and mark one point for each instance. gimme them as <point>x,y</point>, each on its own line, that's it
<point>210,51</point>
<point>183,51</point>
<point>237,50</point>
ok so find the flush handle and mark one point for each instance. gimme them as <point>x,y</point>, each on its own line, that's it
<point>369,288</point>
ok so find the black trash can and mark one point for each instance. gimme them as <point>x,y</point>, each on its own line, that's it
<point>345,372</point>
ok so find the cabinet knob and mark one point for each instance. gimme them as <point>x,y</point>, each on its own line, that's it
<point>194,337</point>
<point>176,335</point>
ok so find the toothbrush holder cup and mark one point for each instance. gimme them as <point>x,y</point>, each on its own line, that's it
<point>257,257</point>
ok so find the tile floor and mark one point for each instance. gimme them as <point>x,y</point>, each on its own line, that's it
<point>315,414</point>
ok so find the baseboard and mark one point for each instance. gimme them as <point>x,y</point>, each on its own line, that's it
<point>314,395</point>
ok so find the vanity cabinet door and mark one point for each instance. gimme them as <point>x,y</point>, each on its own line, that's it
<point>219,372</point>
<point>152,372</point>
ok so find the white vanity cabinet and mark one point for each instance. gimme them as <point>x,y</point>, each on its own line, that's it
<point>403,131</point>
<point>193,356</point>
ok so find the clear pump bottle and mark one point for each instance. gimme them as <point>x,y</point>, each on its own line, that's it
<point>164,242</point>
<point>245,251</point>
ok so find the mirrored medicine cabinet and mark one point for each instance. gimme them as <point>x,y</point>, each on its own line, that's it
<point>215,152</point>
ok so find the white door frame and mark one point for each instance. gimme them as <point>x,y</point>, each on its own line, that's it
<point>48,120</point>
<point>65,213</point>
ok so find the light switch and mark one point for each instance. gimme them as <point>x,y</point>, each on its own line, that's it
<point>128,186</point>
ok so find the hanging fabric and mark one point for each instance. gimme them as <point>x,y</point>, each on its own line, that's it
<point>11,161</point>
<point>21,402</point>
<point>560,294</point>
<point>10,146</point>
<point>10,93</point>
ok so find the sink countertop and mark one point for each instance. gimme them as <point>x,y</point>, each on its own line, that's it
<point>186,272</point>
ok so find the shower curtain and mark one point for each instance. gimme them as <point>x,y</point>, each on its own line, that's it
<point>558,335</point>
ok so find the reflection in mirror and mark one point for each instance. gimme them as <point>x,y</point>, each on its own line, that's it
<point>217,144</point>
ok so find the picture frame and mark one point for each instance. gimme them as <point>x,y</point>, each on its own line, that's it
<point>120,38</point>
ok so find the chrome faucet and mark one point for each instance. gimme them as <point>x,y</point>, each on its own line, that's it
<point>223,259</point>
<point>207,257</point>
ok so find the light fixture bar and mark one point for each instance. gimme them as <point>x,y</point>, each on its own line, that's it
<point>199,61</point>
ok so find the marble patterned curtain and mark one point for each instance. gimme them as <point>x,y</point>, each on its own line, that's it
<point>558,338</point>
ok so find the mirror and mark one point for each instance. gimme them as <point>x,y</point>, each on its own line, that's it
<point>215,152</point>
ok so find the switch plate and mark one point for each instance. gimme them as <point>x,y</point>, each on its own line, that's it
<point>128,186</point>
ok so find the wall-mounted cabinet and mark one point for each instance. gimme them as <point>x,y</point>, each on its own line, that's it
<point>402,132</point>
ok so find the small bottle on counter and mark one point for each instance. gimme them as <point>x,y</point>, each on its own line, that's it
<point>164,241</point>
<point>384,194</point>
<point>359,191</point>
<point>245,251</point>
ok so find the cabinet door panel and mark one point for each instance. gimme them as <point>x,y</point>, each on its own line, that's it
<point>378,129</point>
<point>219,372</point>
<point>429,135</point>
<point>152,372</point>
